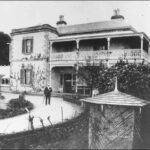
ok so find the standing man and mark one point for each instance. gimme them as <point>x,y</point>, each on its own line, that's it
<point>46,94</point>
<point>50,93</point>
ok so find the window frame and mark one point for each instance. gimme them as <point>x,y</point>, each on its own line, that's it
<point>24,45</point>
<point>5,81</point>
<point>24,78</point>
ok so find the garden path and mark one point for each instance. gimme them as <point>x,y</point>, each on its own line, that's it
<point>21,123</point>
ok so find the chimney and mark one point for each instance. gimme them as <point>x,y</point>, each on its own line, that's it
<point>117,16</point>
<point>61,21</point>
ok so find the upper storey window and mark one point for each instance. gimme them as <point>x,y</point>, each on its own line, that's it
<point>27,45</point>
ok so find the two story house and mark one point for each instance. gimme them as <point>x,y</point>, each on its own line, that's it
<point>43,54</point>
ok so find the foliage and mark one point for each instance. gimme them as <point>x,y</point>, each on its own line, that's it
<point>16,104</point>
<point>16,107</point>
<point>90,74</point>
<point>133,78</point>
<point>4,48</point>
<point>2,97</point>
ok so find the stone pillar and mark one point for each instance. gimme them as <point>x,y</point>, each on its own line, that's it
<point>141,46</point>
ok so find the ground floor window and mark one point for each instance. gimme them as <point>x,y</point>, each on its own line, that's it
<point>5,81</point>
<point>26,76</point>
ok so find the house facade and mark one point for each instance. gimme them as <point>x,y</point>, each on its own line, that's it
<point>43,54</point>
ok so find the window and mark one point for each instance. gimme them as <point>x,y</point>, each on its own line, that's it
<point>27,46</point>
<point>5,81</point>
<point>26,76</point>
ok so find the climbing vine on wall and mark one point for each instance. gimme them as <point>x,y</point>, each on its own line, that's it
<point>38,79</point>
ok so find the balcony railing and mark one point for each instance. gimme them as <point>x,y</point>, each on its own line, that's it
<point>111,54</point>
<point>97,55</point>
<point>146,55</point>
<point>63,56</point>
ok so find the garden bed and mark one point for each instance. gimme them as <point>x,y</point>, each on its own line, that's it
<point>15,107</point>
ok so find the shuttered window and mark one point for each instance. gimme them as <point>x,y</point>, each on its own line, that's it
<point>26,76</point>
<point>27,46</point>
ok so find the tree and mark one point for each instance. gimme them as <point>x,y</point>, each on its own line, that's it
<point>4,48</point>
<point>90,74</point>
<point>133,78</point>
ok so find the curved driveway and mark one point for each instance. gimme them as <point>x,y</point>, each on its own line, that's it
<point>21,123</point>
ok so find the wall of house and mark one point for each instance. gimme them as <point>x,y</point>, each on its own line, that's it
<point>37,59</point>
<point>38,76</point>
<point>40,45</point>
<point>55,80</point>
<point>111,127</point>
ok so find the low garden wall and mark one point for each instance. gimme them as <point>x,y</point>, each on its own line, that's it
<point>4,88</point>
<point>51,134</point>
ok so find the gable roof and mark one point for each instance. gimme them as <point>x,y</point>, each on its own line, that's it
<point>103,26</point>
<point>116,98</point>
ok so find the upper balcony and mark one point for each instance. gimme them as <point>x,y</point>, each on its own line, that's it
<point>128,47</point>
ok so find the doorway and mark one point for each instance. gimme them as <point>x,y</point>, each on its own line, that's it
<point>67,83</point>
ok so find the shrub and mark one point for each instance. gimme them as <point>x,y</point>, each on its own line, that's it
<point>20,103</point>
<point>16,107</point>
<point>2,97</point>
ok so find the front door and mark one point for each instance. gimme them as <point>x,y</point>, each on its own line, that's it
<point>67,83</point>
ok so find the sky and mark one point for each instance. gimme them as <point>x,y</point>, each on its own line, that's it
<point>20,14</point>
